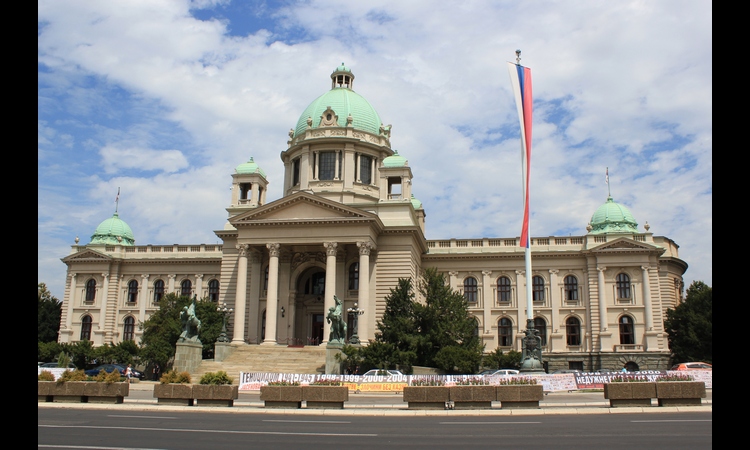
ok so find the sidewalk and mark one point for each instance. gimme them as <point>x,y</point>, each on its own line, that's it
<point>141,399</point>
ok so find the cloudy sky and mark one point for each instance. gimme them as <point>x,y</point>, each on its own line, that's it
<point>163,99</point>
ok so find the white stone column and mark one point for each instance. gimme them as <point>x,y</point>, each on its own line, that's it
<point>71,302</point>
<point>315,174</point>
<point>364,326</point>
<point>238,333</point>
<point>272,299</point>
<point>520,305</point>
<point>554,302</point>
<point>171,283</point>
<point>330,287</point>
<point>487,302</point>
<point>602,299</point>
<point>453,280</point>
<point>199,285</point>
<point>103,299</point>
<point>647,300</point>
<point>143,298</point>
<point>253,308</point>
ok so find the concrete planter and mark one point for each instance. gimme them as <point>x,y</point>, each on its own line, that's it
<point>281,396</point>
<point>472,397</point>
<point>519,395</point>
<point>82,392</point>
<point>680,393</point>
<point>629,394</point>
<point>321,397</point>
<point>192,394</point>
<point>426,397</point>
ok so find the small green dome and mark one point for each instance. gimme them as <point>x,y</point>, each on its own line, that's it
<point>394,160</point>
<point>612,217</point>
<point>110,230</point>
<point>344,102</point>
<point>415,203</point>
<point>249,167</point>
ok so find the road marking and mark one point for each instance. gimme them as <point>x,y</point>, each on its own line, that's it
<point>306,421</point>
<point>284,433</point>
<point>675,420</point>
<point>487,423</point>
<point>143,417</point>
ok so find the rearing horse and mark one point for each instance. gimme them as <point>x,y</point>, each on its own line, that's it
<point>335,318</point>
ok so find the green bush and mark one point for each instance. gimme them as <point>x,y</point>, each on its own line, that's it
<point>326,383</point>
<point>46,375</point>
<point>72,375</point>
<point>219,377</point>
<point>175,377</point>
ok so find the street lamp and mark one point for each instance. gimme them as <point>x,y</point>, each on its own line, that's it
<point>225,312</point>
<point>354,313</point>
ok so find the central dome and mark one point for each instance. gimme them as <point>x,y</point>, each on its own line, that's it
<point>113,231</point>
<point>343,102</point>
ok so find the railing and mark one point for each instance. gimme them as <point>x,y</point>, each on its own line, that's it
<point>628,348</point>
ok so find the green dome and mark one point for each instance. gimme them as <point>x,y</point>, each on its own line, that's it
<point>394,160</point>
<point>110,230</point>
<point>415,203</point>
<point>612,217</point>
<point>249,167</point>
<point>344,102</point>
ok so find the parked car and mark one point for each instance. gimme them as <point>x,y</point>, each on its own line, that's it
<point>53,365</point>
<point>692,366</point>
<point>383,372</point>
<point>565,371</point>
<point>109,368</point>
<point>499,372</point>
<point>136,373</point>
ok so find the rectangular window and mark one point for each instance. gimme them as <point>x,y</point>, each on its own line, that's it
<point>327,167</point>
<point>295,172</point>
<point>365,169</point>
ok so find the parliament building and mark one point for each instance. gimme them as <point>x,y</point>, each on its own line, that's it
<point>349,225</point>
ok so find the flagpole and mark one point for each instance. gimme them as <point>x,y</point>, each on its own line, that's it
<point>531,359</point>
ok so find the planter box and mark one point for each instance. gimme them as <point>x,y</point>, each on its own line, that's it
<point>519,395</point>
<point>81,392</point>
<point>215,394</point>
<point>426,397</point>
<point>174,394</point>
<point>472,397</point>
<point>320,397</point>
<point>629,394</point>
<point>680,393</point>
<point>281,396</point>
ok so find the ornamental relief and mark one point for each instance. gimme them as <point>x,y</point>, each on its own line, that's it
<point>318,134</point>
<point>338,133</point>
<point>300,258</point>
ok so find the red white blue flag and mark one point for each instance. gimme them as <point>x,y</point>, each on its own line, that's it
<point>520,78</point>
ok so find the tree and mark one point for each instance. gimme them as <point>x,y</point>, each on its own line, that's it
<point>496,359</point>
<point>690,325</point>
<point>49,310</point>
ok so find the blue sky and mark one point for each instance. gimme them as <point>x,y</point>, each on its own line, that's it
<point>163,99</point>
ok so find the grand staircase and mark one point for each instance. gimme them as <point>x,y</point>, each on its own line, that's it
<point>261,358</point>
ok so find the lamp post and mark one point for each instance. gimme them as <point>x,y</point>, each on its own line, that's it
<point>225,312</point>
<point>354,313</point>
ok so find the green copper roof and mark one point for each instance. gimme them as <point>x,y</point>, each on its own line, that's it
<point>250,167</point>
<point>343,101</point>
<point>395,160</point>
<point>613,217</point>
<point>108,231</point>
<point>415,203</point>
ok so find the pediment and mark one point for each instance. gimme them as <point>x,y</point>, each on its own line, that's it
<point>298,207</point>
<point>625,244</point>
<point>87,255</point>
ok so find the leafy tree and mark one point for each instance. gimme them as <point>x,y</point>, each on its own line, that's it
<point>497,360</point>
<point>48,351</point>
<point>690,325</point>
<point>398,329</point>
<point>49,310</point>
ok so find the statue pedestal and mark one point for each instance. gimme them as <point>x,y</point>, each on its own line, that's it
<point>332,366</point>
<point>188,356</point>
<point>222,350</point>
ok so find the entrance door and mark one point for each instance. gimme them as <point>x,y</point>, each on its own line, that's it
<point>317,329</point>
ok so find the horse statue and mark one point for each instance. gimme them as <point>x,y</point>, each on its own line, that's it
<point>336,318</point>
<point>190,322</point>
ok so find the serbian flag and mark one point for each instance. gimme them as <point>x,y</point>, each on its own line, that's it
<point>520,78</point>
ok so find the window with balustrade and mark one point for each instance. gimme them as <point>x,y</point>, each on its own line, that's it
<point>573,331</point>
<point>503,289</point>
<point>537,288</point>
<point>571,288</point>
<point>504,332</point>
<point>470,289</point>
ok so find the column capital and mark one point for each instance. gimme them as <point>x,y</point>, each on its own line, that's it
<point>520,272</point>
<point>274,249</point>
<point>72,275</point>
<point>364,247</point>
<point>331,248</point>
<point>453,273</point>
<point>645,268</point>
<point>172,276</point>
<point>601,268</point>
<point>105,275</point>
<point>486,273</point>
<point>554,271</point>
<point>242,249</point>
<point>198,276</point>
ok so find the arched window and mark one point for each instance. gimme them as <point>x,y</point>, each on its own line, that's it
<point>90,290</point>
<point>623,285</point>
<point>541,326</point>
<point>503,289</point>
<point>573,331</point>
<point>537,293</point>
<point>627,334</point>
<point>476,328</point>
<point>319,283</point>
<point>365,169</point>
<point>132,291</point>
<point>186,288</point>
<point>86,328</point>
<point>354,276</point>
<point>505,332</point>
<point>571,288</point>
<point>158,290</point>
<point>213,290</point>
<point>470,289</point>
<point>128,332</point>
